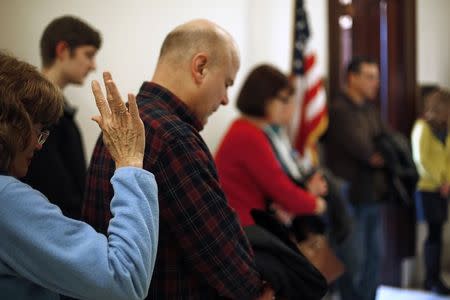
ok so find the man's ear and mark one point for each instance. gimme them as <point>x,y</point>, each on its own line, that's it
<point>199,67</point>
<point>62,50</point>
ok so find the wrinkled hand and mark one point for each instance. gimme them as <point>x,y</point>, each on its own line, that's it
<point>122,128</point>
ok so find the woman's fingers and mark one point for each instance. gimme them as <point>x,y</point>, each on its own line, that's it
<point>132,107</point>
<point>107,77</point>
<point>114,99</point>
<point>123,130</point>
<point>100,100</point>
<point>98,120</point>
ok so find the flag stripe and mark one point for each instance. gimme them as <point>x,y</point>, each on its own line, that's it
<point>312,117</point>
<point>310,60</point>
<point>315,107</point>
<point>312,92</point>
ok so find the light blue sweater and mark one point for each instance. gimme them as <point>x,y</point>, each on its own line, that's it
<point>43,253</point>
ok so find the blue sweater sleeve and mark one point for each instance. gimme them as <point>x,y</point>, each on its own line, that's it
<point>70,257</point>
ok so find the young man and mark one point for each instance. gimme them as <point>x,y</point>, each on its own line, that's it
<point>351,155</point>
<point>202,250</point>
<point>68,48</point>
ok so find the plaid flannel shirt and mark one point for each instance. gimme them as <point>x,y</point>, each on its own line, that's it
<point>202,250</point>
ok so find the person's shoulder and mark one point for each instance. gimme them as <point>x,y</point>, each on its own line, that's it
<point>246,129</point>
<point>340,97</point>
<point>11,187</point>
<point>169,126</point>
<point>420,122</point>
<point>421,125</point>
<point>335,102</point>
<point>246,136</point>
<point>421,131</point>
<point>335,110</point>
<point>242,132</point>
<point>341,102</point>
<point>163,113</point>
<point>6,180</point>
<point>166,130</point>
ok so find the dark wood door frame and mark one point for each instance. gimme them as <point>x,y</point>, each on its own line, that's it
<point>386,31</point>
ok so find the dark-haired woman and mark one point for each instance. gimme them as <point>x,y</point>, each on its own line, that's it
<point>248,168</point>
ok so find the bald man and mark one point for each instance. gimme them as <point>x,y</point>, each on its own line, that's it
<point>202,250</point>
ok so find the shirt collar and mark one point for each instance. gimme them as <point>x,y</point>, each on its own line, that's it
<point>171,102</point>
<point>347,99</point>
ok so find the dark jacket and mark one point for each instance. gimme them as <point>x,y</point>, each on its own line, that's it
<point>400,169</point>
<point>349,143</point>
<point>59,169</point>
<point>290,273</point>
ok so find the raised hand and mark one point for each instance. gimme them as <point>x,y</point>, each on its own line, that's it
<point>122,128</point>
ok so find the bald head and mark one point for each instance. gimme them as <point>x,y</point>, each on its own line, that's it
<point>198,63</point>
<point>196,36</point>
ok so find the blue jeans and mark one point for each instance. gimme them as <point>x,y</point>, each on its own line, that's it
<point>361,254</point>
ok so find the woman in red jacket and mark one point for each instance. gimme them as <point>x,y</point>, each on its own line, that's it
<point>248,168</point>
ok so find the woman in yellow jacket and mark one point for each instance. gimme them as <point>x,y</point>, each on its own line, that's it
<point>431,152</point>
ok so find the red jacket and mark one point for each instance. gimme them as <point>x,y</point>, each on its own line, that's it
<point>250,173</point>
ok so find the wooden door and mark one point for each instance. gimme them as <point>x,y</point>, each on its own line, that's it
<point>384,30</point>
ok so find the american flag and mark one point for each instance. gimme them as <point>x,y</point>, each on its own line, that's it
<point>311,118</point>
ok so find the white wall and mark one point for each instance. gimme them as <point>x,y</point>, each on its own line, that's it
<point>433,42</point>
<point>268,39</point>
<point>433,66</point>
<point>133,31</point>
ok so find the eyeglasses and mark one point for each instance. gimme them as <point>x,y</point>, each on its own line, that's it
<point>42,136</point>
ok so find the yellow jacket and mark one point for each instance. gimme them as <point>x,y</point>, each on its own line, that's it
<point>431,157</point>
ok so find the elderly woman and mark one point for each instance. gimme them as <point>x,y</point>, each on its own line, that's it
<point>249,170</point>
<point>43,253</point>
<point>431,153</point>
